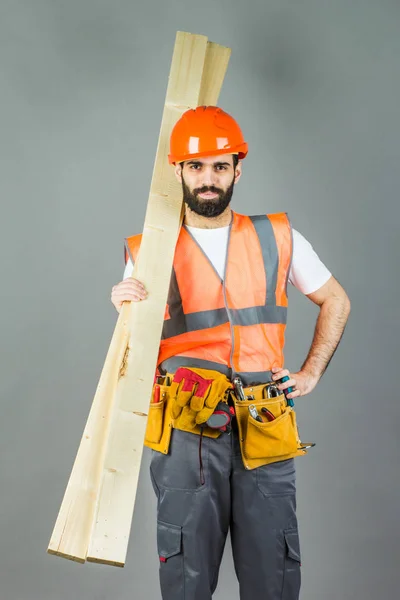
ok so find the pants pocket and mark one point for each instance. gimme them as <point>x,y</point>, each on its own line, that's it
<point>180,468</point>
<point>271,439</point>
<point>155,421</point>
<point>292,572</point>
<point>169,544</point>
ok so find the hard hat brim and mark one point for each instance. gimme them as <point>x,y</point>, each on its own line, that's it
<point>241,151</point>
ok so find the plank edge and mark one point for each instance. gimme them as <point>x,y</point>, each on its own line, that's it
<point>104,561</point>
<point>67,556</point>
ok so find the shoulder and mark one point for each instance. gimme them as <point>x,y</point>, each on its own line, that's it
<point>133,239</point>
<point>131,247</point>
<point>301,245</point>
<point>278,221</point>
<point>278,216</point>
<point>299,240</point>
<point>308,273</point>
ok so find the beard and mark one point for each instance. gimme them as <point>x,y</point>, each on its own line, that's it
<point>207,208</point>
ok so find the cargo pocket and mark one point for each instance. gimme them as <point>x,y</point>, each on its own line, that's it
<point>169,544</point>
<point>276,438</point>
<point>292,572</point>
<point>155,420</point>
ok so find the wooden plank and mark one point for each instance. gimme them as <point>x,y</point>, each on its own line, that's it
<point>215,66</point>
<point>71,534</point>
<point>198,76</point>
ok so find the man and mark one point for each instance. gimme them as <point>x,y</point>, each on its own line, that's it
<point>225,318</point>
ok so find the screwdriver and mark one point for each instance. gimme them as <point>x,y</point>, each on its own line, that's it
<point>289,401</point>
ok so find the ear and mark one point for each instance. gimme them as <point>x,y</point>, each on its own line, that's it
<point>178,172</point>
<point>238,171</point>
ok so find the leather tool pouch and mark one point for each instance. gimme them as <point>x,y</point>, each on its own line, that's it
<point>269,441</point>
<point>159,422</point>
<point>260,443</point>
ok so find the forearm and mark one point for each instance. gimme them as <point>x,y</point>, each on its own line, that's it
<point>329,329</point>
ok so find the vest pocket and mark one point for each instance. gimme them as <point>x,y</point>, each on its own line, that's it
<point>292,573</point>
<point>154,428</point>
<point>276,438</point>
<point>169,544</point>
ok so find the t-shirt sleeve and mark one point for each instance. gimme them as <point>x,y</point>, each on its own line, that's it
<point>307,272</point>
<point>128,269</point>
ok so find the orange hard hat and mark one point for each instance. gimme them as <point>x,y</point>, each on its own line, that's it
<point>205,131</point>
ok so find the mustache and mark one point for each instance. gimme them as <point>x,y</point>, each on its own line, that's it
<point>206,189</point>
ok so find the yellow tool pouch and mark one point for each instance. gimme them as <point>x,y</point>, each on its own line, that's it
<point>186,404</point>
<point>159,422</point>
<point>269,441</point>
<point>196,393</point>
<point>191,399</point>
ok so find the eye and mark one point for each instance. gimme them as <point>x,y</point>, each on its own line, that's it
<point>221,168</point>
<point>195,166</point>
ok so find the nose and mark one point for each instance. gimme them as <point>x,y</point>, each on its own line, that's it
<point>209,177</point>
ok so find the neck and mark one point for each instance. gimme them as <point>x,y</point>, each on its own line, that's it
<point>194,220</point>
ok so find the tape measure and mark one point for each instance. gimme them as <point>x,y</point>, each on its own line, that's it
<point>222,417</point>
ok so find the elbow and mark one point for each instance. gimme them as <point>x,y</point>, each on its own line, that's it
<point>339,303</point>
<point>346,305</point>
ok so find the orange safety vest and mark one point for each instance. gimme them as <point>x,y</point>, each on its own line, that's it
<point>236,325</point>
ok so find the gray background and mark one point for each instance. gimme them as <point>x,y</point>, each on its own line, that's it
<point>316,89</point>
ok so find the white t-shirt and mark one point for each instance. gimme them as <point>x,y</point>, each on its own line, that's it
<point>307,272</point>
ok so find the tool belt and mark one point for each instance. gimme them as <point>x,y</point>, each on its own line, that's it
<point>185,400</point>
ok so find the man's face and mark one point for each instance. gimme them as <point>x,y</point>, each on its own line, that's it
<point>208,183</point>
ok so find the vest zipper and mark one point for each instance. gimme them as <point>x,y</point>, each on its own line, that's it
<point>225,300</point>
<point>223,284</point>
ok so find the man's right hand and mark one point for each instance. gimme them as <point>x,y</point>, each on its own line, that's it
<point>128,290</point>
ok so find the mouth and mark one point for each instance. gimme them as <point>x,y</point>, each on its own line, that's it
<point>208,195</point>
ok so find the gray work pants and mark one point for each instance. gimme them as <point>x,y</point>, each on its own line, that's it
<point>259,507</point>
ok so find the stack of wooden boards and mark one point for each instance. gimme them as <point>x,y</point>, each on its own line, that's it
<point>95,517</point>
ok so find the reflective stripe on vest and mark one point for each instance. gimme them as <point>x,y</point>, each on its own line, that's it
<point>235,326</point>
